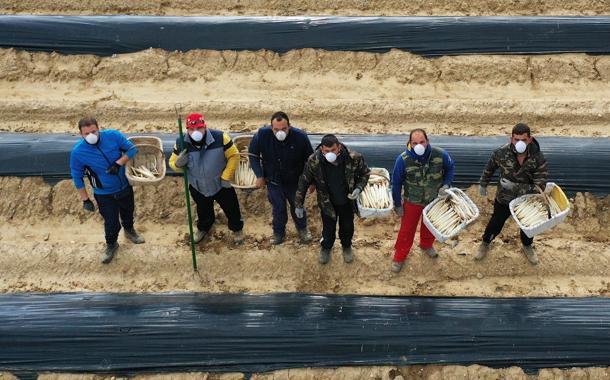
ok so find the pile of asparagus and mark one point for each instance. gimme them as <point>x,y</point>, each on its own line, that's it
<point>375,194</point>
<point>145,166</point>
<point>535,210</point>
<point>449,213</point>
<point>244,175</point>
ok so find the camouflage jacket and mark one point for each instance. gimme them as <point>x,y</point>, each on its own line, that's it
<point>533,172</point>
<point>356,176</point>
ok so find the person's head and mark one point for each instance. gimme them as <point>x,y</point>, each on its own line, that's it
<point>520,137</point>
<point>196,126</point>
<point>280,125</point>
<point>89,129</point>
<point>330,147</point>
<point>418,140</point>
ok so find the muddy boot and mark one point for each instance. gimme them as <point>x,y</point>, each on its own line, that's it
<point>133,236</point>
<point>305,236</point>
<point>348,255</point>
<point>531,255</point>
<point>397,266</point>
<point>277,239</point>
<point>324,255</point>
<point>109,252</point>
<point>483,251</point>
<point>431,252</point>
<point>199,235</point>
<point>238,237</point>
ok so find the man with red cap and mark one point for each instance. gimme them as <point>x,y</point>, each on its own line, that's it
<point>210,158</point>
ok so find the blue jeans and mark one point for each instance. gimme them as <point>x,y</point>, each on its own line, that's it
<point>278,195</point>
<point>113,209</point>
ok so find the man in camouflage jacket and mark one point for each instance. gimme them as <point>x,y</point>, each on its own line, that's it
<point>339,175</point>
<point>522,168</point>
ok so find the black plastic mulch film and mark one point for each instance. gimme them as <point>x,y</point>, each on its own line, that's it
<point>430,36</point>
<point>133,333</point>
<point>576,164</point>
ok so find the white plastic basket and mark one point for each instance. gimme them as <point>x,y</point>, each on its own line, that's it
<point>437,234</point>
<point>562,201</point>
<point>370,213</point>
<point>147,146</point>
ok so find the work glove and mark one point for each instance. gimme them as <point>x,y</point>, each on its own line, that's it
<point>183,159</point>
<point>399,211</point>
<point>225,184</point>
<point>113,169</point>
<point>442,191</point>
<point>88,205</point>
<point>508,185</point>
<point>354,194</point>
<point>299,212</point>
<point>482,190</point>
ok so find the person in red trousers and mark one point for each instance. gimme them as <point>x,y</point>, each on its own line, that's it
<point>421,173</point>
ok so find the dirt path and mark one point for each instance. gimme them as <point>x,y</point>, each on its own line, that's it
<point>309,7</point>
<point>322,91</point>
<point>51,245</point>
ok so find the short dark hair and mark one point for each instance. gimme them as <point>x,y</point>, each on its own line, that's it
<point>279,116</point>
<point>329,140</point>
<point>86,121</point>
<point>418,130</point>
<point>521,128</point>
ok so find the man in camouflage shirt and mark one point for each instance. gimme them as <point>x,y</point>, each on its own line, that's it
<point>522,169</point>
<point>339,175</point>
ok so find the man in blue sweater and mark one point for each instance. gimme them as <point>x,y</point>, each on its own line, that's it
<point>101,156</point>
<point>421,173</point>
<point>283,151</point>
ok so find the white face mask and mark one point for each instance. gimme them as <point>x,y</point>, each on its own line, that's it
<point>91,138</point>
<point>330,157</point>
<point>419,149</point>
<point>197,136</point>
<point>520,146</point>
<point>280,135</point>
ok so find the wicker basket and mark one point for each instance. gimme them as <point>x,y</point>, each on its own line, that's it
<point>150,154</point>
<point>242,142</point>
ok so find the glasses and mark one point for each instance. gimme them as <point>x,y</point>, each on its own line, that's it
<point>195,122</point>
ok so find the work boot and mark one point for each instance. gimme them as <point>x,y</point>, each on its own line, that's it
<point>277,239</point>
<point>238,237</point>
<point>483,250</point>
<point>324,255</point>
<point>199,235</point>
<point>397,266</point>
<point>431,252</point>
<point>109,252</point>
<point>133,236</point>
<point>348,256</point>
<point>305,236</point>
<point>531,255</point>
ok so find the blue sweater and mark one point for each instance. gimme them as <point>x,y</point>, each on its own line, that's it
<point>89,160</point>
<point>398,176</point>
<point>282,161</point>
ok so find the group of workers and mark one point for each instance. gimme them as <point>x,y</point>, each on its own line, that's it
<point>284,162</point>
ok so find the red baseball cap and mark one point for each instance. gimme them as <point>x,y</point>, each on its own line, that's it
<point>195,120</point>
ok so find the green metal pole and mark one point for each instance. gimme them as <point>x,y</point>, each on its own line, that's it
<point>186,193</point>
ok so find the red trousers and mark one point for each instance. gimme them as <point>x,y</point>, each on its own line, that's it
<point>408,226</point>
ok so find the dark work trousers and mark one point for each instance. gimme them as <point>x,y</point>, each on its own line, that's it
<point>112,209</point>
<point>227,199</point>
<point>498,218</point>
<point>345,214</point>
<point>278,195</point>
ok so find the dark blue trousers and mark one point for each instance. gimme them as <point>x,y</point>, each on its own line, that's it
<point>278,195</point>
<point>115,207</point>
